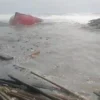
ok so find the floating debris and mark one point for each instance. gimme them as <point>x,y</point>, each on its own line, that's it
<point>34,54</point>
<point>5,57</point>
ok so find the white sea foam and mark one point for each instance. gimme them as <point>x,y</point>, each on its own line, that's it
<point>82,19</point>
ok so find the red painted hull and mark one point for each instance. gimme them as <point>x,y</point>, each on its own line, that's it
<point>24,19</point>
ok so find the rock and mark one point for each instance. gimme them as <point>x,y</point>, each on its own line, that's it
<point>5,57</point>
<point>95,23</point>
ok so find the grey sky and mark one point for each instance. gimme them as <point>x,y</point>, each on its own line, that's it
<point>49,6</point>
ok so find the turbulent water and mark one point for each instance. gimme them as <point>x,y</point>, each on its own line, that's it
<point>69,53</point>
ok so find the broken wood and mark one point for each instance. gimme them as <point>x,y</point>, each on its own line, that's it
<point>59,88</point>
<point>9,93</point>
<point>32,88</point>
<point>10,83</point>
<point>97,93</point>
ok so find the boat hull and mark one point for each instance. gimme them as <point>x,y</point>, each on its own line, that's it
<point>23,19</point>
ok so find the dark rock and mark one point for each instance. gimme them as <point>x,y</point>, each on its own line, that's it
<point>95,23</point>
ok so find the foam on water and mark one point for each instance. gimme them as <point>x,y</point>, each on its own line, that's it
<point>79,18</point>
<point>82,19</point>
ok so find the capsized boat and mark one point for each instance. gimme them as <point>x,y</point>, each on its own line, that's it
<point>23,19</point>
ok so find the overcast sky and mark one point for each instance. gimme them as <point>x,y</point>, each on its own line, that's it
<point>50,6</point>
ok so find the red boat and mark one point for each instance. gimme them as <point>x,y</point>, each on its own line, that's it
<point>23,19</point>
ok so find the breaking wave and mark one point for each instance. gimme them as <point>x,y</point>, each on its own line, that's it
<point>77,18</point>
<point>73,18</point>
